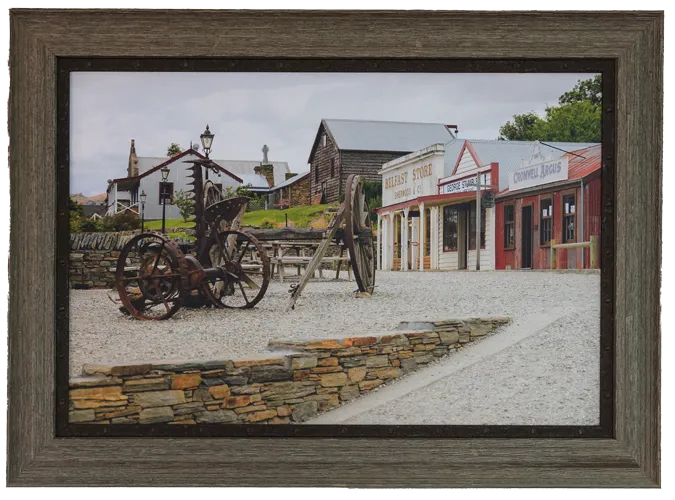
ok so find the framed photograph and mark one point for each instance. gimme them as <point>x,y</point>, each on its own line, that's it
<point>364,253</point>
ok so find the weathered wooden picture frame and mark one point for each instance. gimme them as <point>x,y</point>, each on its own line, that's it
<point>622,451</point>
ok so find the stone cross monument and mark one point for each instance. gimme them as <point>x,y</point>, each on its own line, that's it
<point>265,150</point>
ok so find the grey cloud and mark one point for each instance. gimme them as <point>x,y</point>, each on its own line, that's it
<point>282,110</point>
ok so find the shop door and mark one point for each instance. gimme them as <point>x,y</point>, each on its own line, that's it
<point>462,240</point>
<point>526,253</point>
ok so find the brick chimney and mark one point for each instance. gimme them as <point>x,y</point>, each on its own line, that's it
<point>290,174</point>
<point>132,169</point>
<point>267,171</point>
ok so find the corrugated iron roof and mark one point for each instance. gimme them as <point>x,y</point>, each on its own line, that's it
<point>371,135</point>
<point>255,180</point>
<point>581,167</point>
<point>242,167</point>
<point>291,180</point>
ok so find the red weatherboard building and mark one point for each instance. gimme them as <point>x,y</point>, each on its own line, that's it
<point>556,201</point>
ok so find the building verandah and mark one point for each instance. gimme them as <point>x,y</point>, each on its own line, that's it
<point>410,235</point>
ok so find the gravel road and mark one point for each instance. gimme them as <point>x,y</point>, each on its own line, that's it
<point>99,333</point>
<point>549,377</point>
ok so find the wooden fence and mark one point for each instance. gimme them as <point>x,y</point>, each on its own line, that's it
<point>592,244</point>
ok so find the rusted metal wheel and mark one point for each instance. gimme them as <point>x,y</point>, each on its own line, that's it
<point>358,235</point>
<point>151,277</point>
<point>245,271</point>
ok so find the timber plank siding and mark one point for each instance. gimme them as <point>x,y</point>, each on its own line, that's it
<point>367,164</point>
<point>324,156</point>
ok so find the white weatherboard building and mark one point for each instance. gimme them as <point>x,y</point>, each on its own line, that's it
<point>144,175</point>
<point>428,215</point>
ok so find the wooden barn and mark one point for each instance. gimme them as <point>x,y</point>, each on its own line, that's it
<point>344,147</point>
<point>554,202</point>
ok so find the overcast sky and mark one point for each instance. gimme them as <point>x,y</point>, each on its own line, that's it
<point>282,110</point>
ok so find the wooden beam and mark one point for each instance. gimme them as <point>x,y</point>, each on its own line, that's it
<point>594,252</point>
<point>328,235</point>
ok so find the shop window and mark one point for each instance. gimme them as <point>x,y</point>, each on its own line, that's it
<point>569,219</point>
<point>332,167</point>
<point>509,227</point>
<point>165,191</point>
<point>546,221</point>
<point>472,227</point>
<point>449,229</point>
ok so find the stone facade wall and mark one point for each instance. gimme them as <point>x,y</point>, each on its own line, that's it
<point>311,377</point>
<point>299,192</point>
<point>93,257</point>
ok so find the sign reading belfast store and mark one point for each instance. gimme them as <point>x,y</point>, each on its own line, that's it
<point>418,196</point>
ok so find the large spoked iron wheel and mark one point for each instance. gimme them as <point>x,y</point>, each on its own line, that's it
<point>149,277</point>
<point>245,271</point>
<point>358,235</point>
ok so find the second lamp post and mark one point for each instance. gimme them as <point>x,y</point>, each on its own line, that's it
<point>165,184</point>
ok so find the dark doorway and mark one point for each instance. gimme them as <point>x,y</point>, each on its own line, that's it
<point>526,252</point>
<point>323,192</point>
<point>462,238</point>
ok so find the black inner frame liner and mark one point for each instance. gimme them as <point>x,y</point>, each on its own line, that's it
<point>606,67</point>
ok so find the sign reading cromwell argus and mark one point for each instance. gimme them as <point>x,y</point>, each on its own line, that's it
<point>408,184</point>
<point>541,173</point>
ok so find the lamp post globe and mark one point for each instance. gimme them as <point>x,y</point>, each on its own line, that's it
<point>207,141</point>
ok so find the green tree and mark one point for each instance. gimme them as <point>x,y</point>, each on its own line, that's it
<point>584,90</point>
<point>523,128</point>
<point>75,208</point>
<point>575,122</point>
<point>173,150</point>
<point>577,118</point>
<point>185,204</point>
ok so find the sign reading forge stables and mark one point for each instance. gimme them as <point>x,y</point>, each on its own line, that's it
<point>540,173</point>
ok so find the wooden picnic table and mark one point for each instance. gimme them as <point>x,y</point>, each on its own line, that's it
<point>304,251</point>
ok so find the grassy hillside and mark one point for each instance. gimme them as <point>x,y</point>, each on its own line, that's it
<point>308,216</point>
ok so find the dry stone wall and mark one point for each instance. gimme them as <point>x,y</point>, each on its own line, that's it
<point>309,378</point>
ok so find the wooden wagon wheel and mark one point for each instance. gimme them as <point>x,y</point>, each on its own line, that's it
<point>358,235</point>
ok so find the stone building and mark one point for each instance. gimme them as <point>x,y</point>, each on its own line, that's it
<point>293,192</point>
<point>344,147</point>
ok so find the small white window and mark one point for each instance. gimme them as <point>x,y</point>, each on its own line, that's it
<point>324,140</point>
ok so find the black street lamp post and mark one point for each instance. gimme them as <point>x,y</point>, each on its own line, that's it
<point>165,176</point>
<point>143,197</point>
<point>207,141</point>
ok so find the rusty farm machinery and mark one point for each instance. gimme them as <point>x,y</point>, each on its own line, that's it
<point>226,266</point>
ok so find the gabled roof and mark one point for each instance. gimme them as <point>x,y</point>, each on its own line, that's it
<point>149,170</point>
<point>291,180</point>
<point>509,154</point>
<point>371,135</point>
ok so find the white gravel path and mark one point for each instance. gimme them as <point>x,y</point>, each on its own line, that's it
<point>536,371</point>
<point>99,333</point>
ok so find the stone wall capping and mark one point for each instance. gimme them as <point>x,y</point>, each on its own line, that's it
<point>300,379</point>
